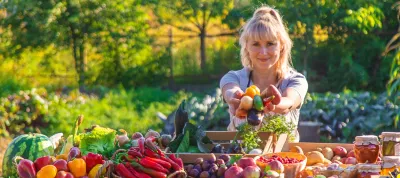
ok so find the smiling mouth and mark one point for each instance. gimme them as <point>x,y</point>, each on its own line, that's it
<point>263,59</point>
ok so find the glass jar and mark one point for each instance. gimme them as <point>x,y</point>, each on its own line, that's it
<point>366,148</point>
<point>390,143</point>
<point>368,170</point>
<point>390,163</point>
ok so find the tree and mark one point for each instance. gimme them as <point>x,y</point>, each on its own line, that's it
<point>72,24</point>
<point>393,86</point>
<point>194,18</point>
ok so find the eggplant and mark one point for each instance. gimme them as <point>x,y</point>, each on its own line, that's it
<point>254,117</point>
<point>218,149</point>
<point>181,118</point>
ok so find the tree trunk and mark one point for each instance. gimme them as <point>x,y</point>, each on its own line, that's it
<point>203,50</point>
<point>81,65</point>
<point>171,59</point>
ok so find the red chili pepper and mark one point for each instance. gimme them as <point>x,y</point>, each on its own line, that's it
<point>163,163</point>
<point>141,144</point>
<point>175,166</point>
<point>179,162</point>
<point>268,100</point>
<point>152,165</point>
<point>129,158</point>
<point>160,152</point>
<point>123,171</point>
<point>150,153</point>
<point>176,160</point>
<point>135,153</point>
<point>151,172</point>
<point>135,172</point>
<point>172,157</point>
<point>92,159</point>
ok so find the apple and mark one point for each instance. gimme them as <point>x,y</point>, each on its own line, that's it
<point>340,151</point>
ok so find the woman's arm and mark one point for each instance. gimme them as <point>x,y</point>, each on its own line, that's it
<point>289,100</point>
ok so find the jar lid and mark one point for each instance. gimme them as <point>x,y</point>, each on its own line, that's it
<point>366,140</point>
<point>390,134</point>
<point>390,161</point>
<point>369,167</point>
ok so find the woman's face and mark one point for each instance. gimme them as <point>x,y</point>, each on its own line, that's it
<point>263,53</point>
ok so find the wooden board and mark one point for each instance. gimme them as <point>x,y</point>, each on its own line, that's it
<point>188,158</point>
<point>267,138</point>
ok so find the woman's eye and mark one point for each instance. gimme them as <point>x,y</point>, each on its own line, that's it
<point>271,43</point>
<point>256,44</point>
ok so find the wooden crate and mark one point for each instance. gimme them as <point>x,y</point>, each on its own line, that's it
<point>270,143</point>
<point>306,146</point>
<point>310,146</point>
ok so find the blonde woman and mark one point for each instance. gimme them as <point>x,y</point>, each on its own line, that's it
<point>266,59</point>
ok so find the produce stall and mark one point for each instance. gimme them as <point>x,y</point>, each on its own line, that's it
<point>193,152</point>
<point>104,152</point>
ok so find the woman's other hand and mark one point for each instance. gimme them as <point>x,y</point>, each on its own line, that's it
<point>271,91</point>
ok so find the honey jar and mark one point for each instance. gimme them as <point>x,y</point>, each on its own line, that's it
<point>368,170</point>
<point>390,143</point>
<point>390,163</point>
<point>366,148</point>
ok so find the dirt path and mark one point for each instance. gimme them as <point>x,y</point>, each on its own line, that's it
<point>3,146</point>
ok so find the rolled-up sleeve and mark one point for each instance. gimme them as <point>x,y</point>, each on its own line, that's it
<point>299,83</point>
<point>230,77</point>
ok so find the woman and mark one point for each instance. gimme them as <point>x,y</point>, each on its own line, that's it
<point>266,59</point>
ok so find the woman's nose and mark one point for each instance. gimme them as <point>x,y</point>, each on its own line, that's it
<point>264,50</point>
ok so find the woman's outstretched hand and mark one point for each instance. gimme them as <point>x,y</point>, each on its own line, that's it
<point>233,100</point>
<point>269,106</point>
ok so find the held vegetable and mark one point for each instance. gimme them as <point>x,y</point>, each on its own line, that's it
<point>258,103</point>
<point>246,103</point>
<point>254,118</point>
<point>241,113</point>
<point>250,92</point>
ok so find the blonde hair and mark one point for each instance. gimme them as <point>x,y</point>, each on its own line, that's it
<point>266,23</point>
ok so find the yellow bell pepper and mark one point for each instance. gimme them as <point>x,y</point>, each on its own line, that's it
<point>48,171</point>
<point>256,88</point>
<point>251,91</point>
<point>95,169</point>
<point>62,156</point>
<point>77,167</point>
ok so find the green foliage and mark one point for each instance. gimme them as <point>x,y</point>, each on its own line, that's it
<point>365,19</point>
<point>117,29</point>
<point>250,138</point>
<point>9,85</point>
<point>277,124</point>
<point>348,114</point>
<point>132,110</point>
